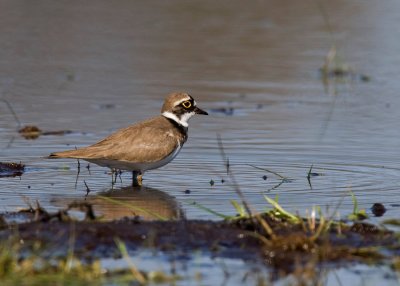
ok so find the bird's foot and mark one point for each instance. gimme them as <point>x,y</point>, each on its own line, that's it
<point>137,179</point>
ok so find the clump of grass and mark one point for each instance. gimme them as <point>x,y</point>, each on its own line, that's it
<point>357,214</point>
<point>17,269</point>
<point>35,270</point>
<point>279,212</point>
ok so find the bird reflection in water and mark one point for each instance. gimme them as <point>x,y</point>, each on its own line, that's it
<point>144,202</point>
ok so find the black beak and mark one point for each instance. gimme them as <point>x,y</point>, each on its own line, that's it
<point>199,111</point>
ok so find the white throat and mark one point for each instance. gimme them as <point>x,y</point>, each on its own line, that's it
<point>182,121</point>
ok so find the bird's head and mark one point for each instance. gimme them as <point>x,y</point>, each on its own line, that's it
<point>180,107</point>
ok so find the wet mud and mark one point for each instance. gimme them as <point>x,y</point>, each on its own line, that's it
<point>283,245</point>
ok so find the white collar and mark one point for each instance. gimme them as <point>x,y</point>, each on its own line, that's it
<point>182,121</point>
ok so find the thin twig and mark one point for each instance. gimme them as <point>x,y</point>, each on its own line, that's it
<point>12,112</point>
<point>222,151</point>
<point>88,190</point>
<point>309,176</point>
<point>232,177</point>
<point>277,185</point>
<point>79,171</point>
<point>269,171</point>
<point>238,191</point>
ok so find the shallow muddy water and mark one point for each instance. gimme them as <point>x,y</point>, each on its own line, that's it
<point>95,67</point>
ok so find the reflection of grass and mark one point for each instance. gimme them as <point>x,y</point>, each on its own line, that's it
<point>35,270</point>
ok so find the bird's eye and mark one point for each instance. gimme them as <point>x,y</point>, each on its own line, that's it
<point>186,104</point>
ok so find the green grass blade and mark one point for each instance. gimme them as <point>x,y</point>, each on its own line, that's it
<point>211,211</point>
<point>355,203</point>
<point>239,208</point>
<point>275,204</point>
<point>124,252</point>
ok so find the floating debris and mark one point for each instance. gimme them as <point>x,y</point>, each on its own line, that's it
<point>31,132</point>
<point>106,106</point>
<point>11,169</point>
<point>38,214</point>
<point>335,68</point>
<point>378,209</point>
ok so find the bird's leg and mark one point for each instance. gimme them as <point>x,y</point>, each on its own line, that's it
<point>137,178</point>
<point>112,178</point>
<point>119,175</point>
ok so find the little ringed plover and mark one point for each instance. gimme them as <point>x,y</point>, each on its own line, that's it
<point>146,145</point>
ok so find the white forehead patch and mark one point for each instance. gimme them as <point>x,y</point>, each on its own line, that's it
<point>176,103</point>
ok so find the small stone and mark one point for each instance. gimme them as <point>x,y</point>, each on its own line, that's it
<point>378,209</point>
<point>187,192</point>
<point>265,177</point>
<point>211,182</point>
<point>365,78</point>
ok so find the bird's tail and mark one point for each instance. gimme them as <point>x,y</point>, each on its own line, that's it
<point>65,154</point>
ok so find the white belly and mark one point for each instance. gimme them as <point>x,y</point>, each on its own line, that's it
<point>135,166</point>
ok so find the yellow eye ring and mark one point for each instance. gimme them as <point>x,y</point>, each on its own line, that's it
<point>186,104</point>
